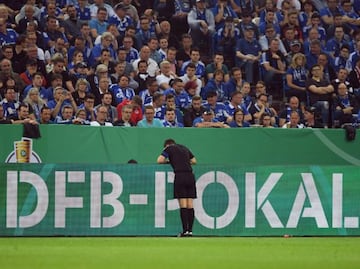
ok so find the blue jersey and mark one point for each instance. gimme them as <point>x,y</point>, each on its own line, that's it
<point>227,12</point>
<point>160,112</point>
<point>10,108</point>
<point>230,109</point>
<point>219,88</point>
<point>132,55</point>
<point>172,124</point>
<point>219,110</point>
<point>96,51</point>
<point>9,38</point>
<point>45,94</point>
<point>248,47</point>
<point>200,119</point>
<point>234,125</point>
<point>121,24</point>
<point>120,94</point>
<point>182,100</point>
<point>299,75</point>
<point>83,14</point>
<point>200,69</point>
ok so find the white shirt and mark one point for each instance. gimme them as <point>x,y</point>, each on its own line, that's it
<point>95,123</point>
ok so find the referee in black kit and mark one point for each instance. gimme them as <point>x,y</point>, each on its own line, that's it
<point>181,159</point>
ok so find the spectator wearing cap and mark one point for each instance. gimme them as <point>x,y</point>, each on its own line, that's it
<point>288,37</point>
<point>219,108</point>
<point>202,26</point>
<point>81,70</point>
<point>295,47</point>
<point>208,120</point>
<point>248,52</point>
<point>246,20</point>
<point>120,18</point>
<point>311,118</point>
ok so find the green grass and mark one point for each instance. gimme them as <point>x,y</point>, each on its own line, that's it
<point>184,253</point>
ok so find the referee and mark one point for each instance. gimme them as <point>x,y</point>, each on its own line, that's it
<point>181,159</point>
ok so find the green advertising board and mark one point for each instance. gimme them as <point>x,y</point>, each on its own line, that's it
<point>234,146</point>
<point>136,199</point>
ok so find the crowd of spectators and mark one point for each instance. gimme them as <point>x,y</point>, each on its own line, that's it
<point>180,63</point>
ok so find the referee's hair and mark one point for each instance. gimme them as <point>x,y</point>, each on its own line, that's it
<point>169,142</point>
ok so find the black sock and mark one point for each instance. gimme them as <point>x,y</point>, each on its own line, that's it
<point>191,216</point>
<point>184,218</point>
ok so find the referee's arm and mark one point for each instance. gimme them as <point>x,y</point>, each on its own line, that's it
<point>161,159</point>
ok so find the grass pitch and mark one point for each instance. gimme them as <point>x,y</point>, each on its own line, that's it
<point>184,253</point>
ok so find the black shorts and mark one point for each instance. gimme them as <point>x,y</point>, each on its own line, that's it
<point>184,185</point>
